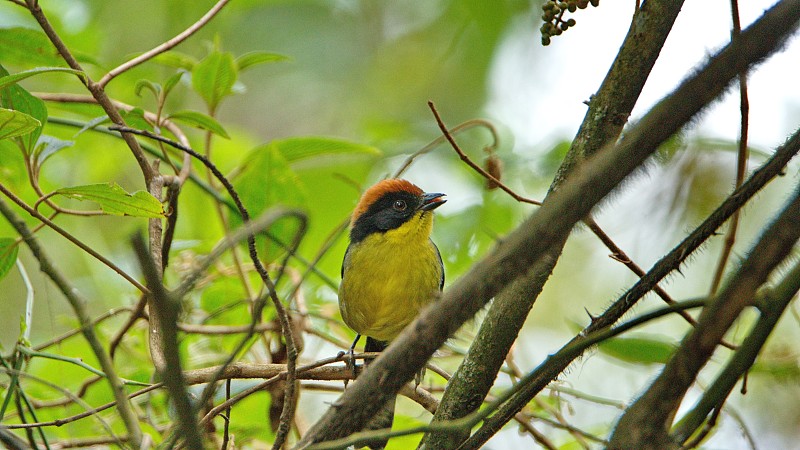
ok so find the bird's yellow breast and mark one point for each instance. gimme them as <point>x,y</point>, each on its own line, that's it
<point>388,277</point>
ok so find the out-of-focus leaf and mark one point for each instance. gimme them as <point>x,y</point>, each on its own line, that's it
<point>644,350</point>
<point>251,59</point>
<point>8,80</point>
<point>214,77</point>
<point>27,46</point>
<point>8,255</point>
<point>200,120</point>
<point>47,147</point>
<point>299,148</point>
<point>16,98</point>
<point>782,369</point>
<point>267,181</point>
<point>13,172</point>
<point>177,60</point>
<point>16,123</point>
<point>114,200</point>
<point>99,120</point>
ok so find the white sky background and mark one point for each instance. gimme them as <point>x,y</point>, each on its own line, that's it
<point>576,62</point>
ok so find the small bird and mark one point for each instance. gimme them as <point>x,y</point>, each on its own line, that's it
<point>391,268</point>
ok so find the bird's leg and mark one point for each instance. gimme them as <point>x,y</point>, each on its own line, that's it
<point>351,360</point>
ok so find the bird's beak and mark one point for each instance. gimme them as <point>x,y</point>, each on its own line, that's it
<point>431,201</point>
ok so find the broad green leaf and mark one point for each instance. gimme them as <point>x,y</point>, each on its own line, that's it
<point>177,60</point>
<point>299,148</point>
<point>200,120</point>
<point>251,59</point>
<point>15,123</point>
<point>47,147</point>
<point>644,350</point>
<point>8,80</point>
<point>27,46</point>
<point>267,181</point>
<point>114,200</point>
<point>8,255</point>
<point>213,78</point>
<point>16,98</point>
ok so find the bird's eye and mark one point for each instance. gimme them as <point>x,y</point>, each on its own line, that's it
<point>400,205</point>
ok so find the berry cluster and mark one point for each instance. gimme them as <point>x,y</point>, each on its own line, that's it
<point>553,16</point>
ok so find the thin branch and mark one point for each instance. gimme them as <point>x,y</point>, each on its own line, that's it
<point>283,317</point>
<point>646,422</point>
<point>78,304</point>
<point>470,420</point>
<point>36,214</point>
<point>185,34</point>
<point>742,156</point>
<point>474,166</point>
<point>96,90</point>
<point>559,361</point>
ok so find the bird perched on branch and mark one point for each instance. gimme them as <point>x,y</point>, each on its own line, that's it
<point>391,269</point>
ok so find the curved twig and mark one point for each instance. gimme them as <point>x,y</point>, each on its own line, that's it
<point>185,34</point>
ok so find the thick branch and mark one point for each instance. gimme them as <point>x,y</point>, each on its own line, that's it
<point>558,362</point>
<point>584,188</point>
<point>774,303</point>
<point>645,424</point>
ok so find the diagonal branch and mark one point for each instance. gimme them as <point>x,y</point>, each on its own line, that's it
<point>584,188</point>
<point>646,422</point>
<point>78,304</point>
<point>152,53</point>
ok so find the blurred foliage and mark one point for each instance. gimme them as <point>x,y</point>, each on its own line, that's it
<point>301,104</point>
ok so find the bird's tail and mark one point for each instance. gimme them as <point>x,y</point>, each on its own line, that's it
<point>385,416</point>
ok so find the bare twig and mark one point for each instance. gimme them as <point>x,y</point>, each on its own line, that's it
<point>78,304</point>
<point>185,34</point>
<point>283,317</point>
<point>474,166</point>
<point>36,214</point>
<point>742,156</point>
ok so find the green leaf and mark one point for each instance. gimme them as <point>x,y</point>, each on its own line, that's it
<point>8,80</point>
<point>641,349</point>
<point>114,200</point>
<point>26,46</point>
<point>200,120</point>
<point>213,78</point>
<point>177,60</point>
<point>172,82</point>
<point>266,181</point>
<point>155,88</point>
<point>135,119</point>
<point>16,98</point>
<point>8,255</point>
<point>15,123</point>
<point>296,149</point>
<point>90,125</point>
<point>47,147</point>
<point>251,59</point>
